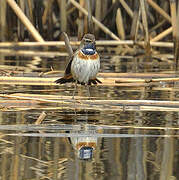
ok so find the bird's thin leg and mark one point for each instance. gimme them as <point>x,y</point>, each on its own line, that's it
<point>89,98</point>
<point>88,90</point>
<point>73,99</point>
<point>74,89</point>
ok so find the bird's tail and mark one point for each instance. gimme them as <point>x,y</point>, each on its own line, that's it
<point>65,79</point>
<point>94,81</point>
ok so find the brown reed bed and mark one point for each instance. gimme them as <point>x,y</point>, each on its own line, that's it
<point>129,25</point>
<point>111,20</point>
<point>21,101</point>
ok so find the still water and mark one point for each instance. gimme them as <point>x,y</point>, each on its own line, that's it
<point>99,142</point>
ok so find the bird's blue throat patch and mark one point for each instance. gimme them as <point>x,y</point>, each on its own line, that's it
<point>89,49</point>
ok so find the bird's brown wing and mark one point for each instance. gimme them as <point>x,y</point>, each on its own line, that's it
<point>68,68</point>
<point>67,75</point>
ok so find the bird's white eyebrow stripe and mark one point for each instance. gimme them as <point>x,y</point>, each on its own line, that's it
<point>89,49</point>
<point>87,39</point>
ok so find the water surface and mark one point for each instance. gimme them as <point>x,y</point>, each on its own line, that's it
<point>127,142</point>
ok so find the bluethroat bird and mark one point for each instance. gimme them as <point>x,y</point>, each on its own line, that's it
<point>84,64</point>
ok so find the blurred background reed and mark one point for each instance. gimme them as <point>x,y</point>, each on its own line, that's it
<point>131,19</point>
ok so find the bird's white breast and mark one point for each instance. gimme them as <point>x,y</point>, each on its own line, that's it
<point>85,67</point>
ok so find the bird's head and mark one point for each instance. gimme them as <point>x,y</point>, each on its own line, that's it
<point>88,44</point>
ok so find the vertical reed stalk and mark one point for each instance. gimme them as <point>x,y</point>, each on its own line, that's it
<point>3,26</point>
<point>25,20</point>
<point>177,39</point>
<point>119,24</point>
<point>46,12</point>
<point>20,27</point>
<point>30,9</point>
<point>63,15</point>
<point>98,15</point>
<point>90,28</point>
<point>50,23</point>
<point>86,19</point>
<point>129,11</point>
<point>3,21</point>
<point>173,16</point>
<point>67,45</point>
<point>135,21</point>
<point>145,23</point>
<point>104,28</point>
<point>174,25</point>
<point>81,21</point>
<point>15,164</point>
<point>104,9</point>
<point>166,169</point>
<point>47,18</point>
<point>38,14</point>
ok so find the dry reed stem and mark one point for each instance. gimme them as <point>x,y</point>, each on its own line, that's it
<point>25,20</point>
<point>98,14</point>
<point>159,10</point>
<point>36,160</point>
<point>80,21</point>
<point>63,15</point>
<point>111,104</point>
<point>20,26</point>
<point>177,40</point>
<point>48,6</point>
<point>3,25</point>
<point>155,27</point>
<point>129,11</point>
<point>44,81</point>
<point>135,22</point>
<point>99,24</point>
<point>102,107</point>
<point>30,10</point>
<point>99,108</point>
<point>137,75</point>
<point>76,43</point>
<point>174,27</point>
<point>8,104</point>
<point>102,75</point>
<point>67,45</point>
<point>115,81</point>
<point>89,26</point>
<point>145,23</point>
<point>119,24</point>
<point>46,96</point>
<point>40,118</point>
<point>35,99</point>
<point>162,35</point>
<point>173,89</point>
<point>173,17</point>
<point>127,8</point>
<point>32,53</point>
<point>127,80</point>
<point>137,127</point>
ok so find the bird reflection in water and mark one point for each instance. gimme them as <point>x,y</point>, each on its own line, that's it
<point>85,142</point>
